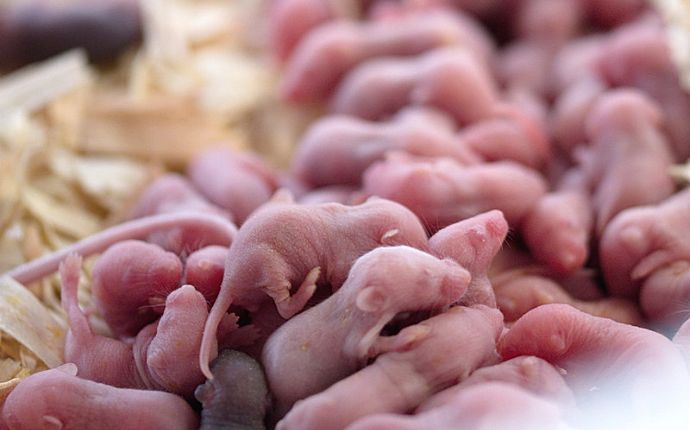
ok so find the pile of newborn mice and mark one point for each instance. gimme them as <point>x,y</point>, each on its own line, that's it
<point>479,232</point>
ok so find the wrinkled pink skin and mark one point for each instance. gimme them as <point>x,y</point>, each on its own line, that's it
<point>284,249</point>
<point>131,280</point>
<point>57,399</point>
<point>290,20</point>
<point>480,8</point>
<point>520,131</point>
<point>251,338</point>
<point>557,230</point>
<point>208,225</point>
<point>512,263</point>
<point>452,80</point>
<point>338,149</point>
<point>381,10</point>
<point>530,373</point>
<point>555,22</point>
<point>330,51</point>
<point>296,186</point>
<point>640,241</point>
<point>564,175</point>
<point>509,258</point>
<point>343,194</point>
<point>609,365</point>
<point>429,116</point>
<point>548,22</point>
<point>577,61</point>
<point>455,344</point>
<point>377,89</point>
<point>235,181</point>
<point>665,295</point>
<point>611,13</point>
<point>631,156</point>
<point>511,135</point>
<point>156,359</point>
<point>204,270</point>
<point>576,84</point>
<point>238,396</point>
<point>491,405</point>
<point>525,65</point>
<point>522,293</point>
<point>473,243</point>
<point>442,192</point>
<point>532,106</point>
<point>368,300</point>
<point>484,9</point>
<point>174,193</point>
<point>570,113</point>
<point>638,56</point>
<point>584,284</point>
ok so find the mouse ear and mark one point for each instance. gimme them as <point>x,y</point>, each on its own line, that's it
<point>68,368</point>
<point>283,195</point>
<point>363,349</point>
<point>371,300</point>
<point>408,338</point>
<point>205,393</point>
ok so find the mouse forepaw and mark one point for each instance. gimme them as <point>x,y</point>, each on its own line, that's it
<point>293,304</point>
<point>403,341</point>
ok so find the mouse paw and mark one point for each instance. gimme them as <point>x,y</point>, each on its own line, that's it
<point>403,341</point>
<point>291,305</point>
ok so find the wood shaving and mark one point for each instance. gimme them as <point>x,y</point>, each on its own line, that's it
<point>25,319</point>
<point>160,129</point>
<point>78,145</point>
<point>681,173</point>
<point>7,386</point>
<point>64,218</point>
<point>11,254</point>
<point>215,70</point>
<point>49,197</point>
<point>252,83</point>
<point>37,85</point>
<point>9,369</point>
<point>275,128</point>
<point>105,180</point>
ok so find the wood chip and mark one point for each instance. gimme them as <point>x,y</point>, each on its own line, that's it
<point>32,87</point>
<point>27,320</point>
<point>7,386</point>
<point>74,222</point>
<point>77,145</point>
<point>108,181</point>
<point>681,173</point>
<point>160,129</point>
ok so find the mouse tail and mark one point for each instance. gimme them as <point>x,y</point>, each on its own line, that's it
<point>210,336</point>
<point>136,229</point>
<point>70,272</point>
